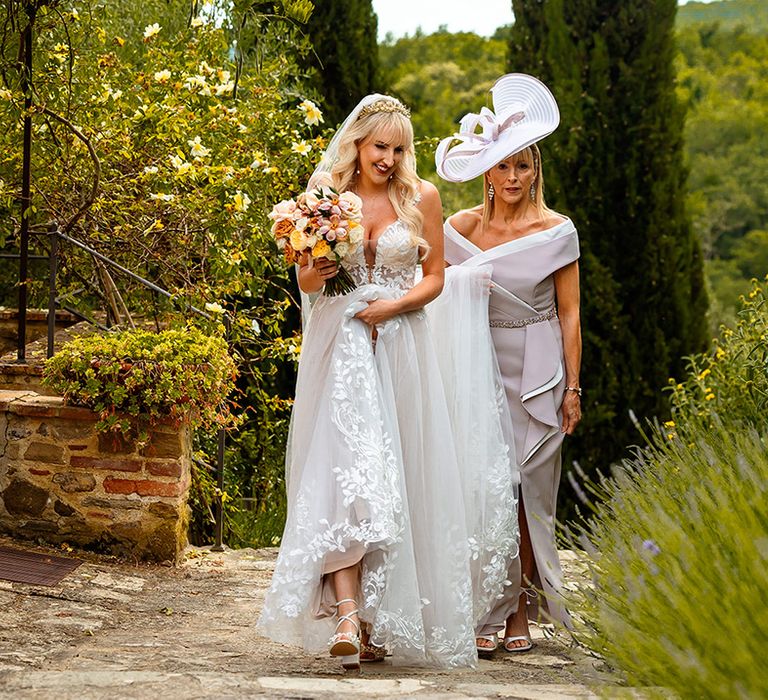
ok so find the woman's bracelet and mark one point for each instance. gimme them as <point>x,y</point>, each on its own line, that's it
<point>576,389</point>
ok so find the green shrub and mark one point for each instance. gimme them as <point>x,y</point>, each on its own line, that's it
<point>677,540</point>
<point>731,381</point>
<point>136,379</point>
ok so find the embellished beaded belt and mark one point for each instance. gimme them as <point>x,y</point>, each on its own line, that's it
<point>522,322</point>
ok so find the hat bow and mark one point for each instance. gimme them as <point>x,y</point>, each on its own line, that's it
<point>491,126</point>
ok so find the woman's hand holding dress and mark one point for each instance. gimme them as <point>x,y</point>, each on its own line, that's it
<point>432,267</point>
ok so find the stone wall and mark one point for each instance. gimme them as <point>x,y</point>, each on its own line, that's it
<point>37,325</point>
<point>61,481</point>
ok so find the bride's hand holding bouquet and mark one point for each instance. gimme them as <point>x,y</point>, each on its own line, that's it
<point>325,225</point>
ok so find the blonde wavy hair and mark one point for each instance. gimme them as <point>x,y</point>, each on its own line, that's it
<point>404,184</point>
<point>530,154</point>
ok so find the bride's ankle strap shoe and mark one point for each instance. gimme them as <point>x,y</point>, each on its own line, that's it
<point>346,644</point>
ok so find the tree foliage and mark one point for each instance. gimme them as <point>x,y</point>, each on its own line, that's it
<point>615,166</point>
<point>441,77</point>
<point>343,63</point>
<point>721,73</point>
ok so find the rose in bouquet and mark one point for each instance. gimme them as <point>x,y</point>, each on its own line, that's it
<point>323,224</point>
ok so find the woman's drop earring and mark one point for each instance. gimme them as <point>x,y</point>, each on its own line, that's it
<point>491,192</point>
<point>533,191</point>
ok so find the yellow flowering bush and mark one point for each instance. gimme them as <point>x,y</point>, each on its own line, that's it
<point>731,380</point>
<point>191,120</point>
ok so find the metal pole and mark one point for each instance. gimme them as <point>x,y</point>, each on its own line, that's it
<point>132,275</point>
<point>52,269</point>
<point>218,511</point>
<point>26,184</point>
<point>219,505</point>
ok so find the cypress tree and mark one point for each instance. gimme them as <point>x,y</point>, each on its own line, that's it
<point>345,54</point>
<point>615,166</point>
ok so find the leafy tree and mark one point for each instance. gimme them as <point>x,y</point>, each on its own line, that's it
<point>729,14</point>
<point>615,166</point>
<point>441,77</point>
<point>344,56</point>
<point>721,80</point>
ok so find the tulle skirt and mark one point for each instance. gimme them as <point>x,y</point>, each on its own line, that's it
<point>377,476</point>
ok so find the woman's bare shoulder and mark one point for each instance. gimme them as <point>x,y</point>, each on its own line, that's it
<point>467,221</point>
<point>428,199</point>
<point>553,219</point>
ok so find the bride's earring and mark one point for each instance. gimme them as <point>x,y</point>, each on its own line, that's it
<point>491,192</point>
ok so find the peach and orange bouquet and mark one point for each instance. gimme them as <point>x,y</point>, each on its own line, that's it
<point>323,224</point>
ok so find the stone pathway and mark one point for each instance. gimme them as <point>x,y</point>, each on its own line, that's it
<point>112,629</point>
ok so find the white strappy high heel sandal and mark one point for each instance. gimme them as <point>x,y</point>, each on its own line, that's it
<point>346,645</point>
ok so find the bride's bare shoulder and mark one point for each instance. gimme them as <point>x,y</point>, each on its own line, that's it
<point>467,221</point>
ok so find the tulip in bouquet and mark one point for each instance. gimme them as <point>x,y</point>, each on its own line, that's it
<point>323,224</point>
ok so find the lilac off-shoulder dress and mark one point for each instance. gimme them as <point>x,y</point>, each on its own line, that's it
<point>529,347</point>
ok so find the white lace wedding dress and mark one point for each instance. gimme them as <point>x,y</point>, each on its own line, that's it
<point>377,475</point>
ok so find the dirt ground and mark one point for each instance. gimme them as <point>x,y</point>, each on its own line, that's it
<point>113,629</point>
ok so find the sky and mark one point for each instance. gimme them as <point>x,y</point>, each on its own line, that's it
<point>402,17</point>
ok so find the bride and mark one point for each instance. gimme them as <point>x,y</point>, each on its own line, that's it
<point>401,493</point>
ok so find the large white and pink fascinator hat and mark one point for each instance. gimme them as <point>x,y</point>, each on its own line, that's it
<point>524,112</point>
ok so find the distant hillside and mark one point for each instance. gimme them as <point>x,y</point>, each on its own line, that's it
<point>752,14</point>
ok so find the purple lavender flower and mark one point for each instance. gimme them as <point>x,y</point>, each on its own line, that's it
<point>652,547</point>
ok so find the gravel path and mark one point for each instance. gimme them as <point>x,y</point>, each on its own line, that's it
<point>113,629</point>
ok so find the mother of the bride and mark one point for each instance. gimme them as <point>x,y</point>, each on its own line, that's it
<point>534,318</point>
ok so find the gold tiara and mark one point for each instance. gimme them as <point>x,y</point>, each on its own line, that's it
<point>388,106</point>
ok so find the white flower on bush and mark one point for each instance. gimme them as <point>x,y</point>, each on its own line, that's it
<point>258,163</point>
<point>151,30</point>
<point>241,201</point>
<point>214,307</point>
<point>163,76</point>
<point>197,22</point>
<point>198,83</point>
<point>225,88</point>
<point>196,148</point>
<point>115,94</point>
<point>205,68</point>
<point>223,75</point>
<point>150,170</point>
<point>182,166</point>
<point>161,197</point>
<point>312,113</point>
<point>255,328</point>
<point>301,147</point>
